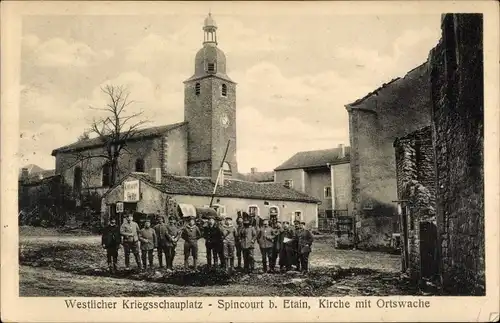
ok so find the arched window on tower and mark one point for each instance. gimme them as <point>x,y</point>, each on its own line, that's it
<point>224,90</point>
<point>197,89</point>
<point>77,179</point>
<point>106,174</point>
<point>226,168</point>
<point>139,165</point>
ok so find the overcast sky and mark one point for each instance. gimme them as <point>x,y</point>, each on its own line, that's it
<point>294,72</point>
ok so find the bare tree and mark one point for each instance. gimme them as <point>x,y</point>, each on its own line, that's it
<point>112,131</point>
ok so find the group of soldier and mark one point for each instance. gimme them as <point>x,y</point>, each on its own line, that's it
<point>281,244</point>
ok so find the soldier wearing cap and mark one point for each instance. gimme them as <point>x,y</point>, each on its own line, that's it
<point>162,236</point>
<point>228,242</point>
<point>239,227</point>
<point>219,245</point>
<point>248,235</point>
<point>190,234</point>
<point>211,234</point>
<point>304,241</point>
<point>173,236</point>
<point>265,239</point>
<point>149,242</point>
<point>287,248</point>
<point>130,233</point>
<point>295,257</point>
<point>277,242</point>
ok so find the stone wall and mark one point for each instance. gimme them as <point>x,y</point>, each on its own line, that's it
<point>457,121</point>
<point>416,191</point>
<point>375,121</point>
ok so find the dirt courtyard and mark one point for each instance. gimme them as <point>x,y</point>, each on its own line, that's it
<point>59,264</point>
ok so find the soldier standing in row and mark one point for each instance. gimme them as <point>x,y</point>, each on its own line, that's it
<point>130,232</point>
<point>277,242</point>
<point>162,243</point>
<point>191,234</point>
<point>111,240</point>
<point>287,248</point>
<point>219,243</point>
<point>239,227</point>
<point>304,241</point>
<point>173,235</point>
<point>295,253</point>
<point>147,237</point>
<point>211,235</point>
<point>248,235</point>
<point>265,239</point>
<point>228,242</point>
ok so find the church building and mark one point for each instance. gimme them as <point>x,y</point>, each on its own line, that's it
<point>181,161</point>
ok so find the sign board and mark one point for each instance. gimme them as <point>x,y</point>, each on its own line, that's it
<point>131,191</point>
<point>119,207</point>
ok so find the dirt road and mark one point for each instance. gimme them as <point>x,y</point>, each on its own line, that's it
<point>75,266</point>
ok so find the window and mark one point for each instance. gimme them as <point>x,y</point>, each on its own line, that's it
<point>224,90</point>
<point>297,216</point>
<point>226,168</point>
<point>211,67</point>
<point>274,211</point>
<point>106,174</point>
<point>221,209</point>
<point>328,192</point>
<point>197,89</point>
<point>253,210</point>
<point>139,165</point>
<point>77,179</point>
<point>288,183</point>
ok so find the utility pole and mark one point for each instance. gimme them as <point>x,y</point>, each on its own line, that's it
<point>219,174</point>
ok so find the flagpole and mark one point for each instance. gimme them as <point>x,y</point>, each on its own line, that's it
<point>218,174</point>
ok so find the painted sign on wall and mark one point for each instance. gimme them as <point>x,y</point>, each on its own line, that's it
<point>131,191</point>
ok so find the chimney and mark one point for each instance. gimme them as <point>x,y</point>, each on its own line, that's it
<point>253,170</point>
<point>342,151</point>
<point>155,175</point>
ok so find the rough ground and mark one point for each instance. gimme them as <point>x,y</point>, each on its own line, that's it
<point>69,265</point>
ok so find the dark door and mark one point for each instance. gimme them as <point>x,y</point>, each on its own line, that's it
<point>404,223</point>
<point>428,250</point>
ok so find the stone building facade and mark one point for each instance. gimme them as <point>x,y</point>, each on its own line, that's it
<point>458,127</point>
<point>417,201</point>
<point>375,121</point>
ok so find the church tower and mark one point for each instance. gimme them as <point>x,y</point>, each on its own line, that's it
<point>210,110</point>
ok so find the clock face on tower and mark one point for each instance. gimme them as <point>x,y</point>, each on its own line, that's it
<point>224,120</point>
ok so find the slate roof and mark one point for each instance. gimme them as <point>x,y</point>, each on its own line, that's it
<point>258,177</point>
<point>203,186</point>
<point>315,158</point>
<point>96,142</point>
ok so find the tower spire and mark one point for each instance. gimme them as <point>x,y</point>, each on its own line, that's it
<point>210,30</point>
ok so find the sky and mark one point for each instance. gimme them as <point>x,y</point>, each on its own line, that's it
<point>295,73</point>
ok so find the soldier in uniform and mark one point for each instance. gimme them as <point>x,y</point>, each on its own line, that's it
<point>295,257</point>
<point>248,235</point>
<point>111,240</point>
<point>130,233</point>
<point>219,245</point>
<point>148,239</point>
<point>288,247</point>
<point>190,234</point>
<point>265,239</point>
<point>162,236</point>
<point>211,235</point>
<point>239,227</point>
<point>304,240</point>
<point>228,241</point>
<point>277,242</point>
<point>173,236</point>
